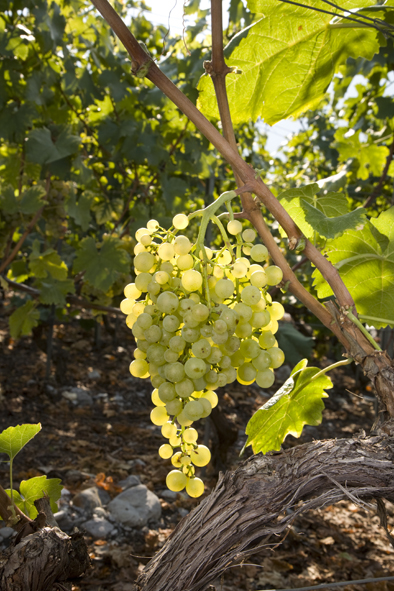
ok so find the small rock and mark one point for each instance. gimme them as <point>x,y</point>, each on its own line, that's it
<point>71,396</point>
<point>6,532</point>
<point>100,512</point>
<point>75,477</point>
<point>169,495</point>
<point>130,481</point>
<point>87,499</point>
<point>104,496</point>
<point>139,462</point>
<point>94,374</point>
<point>135,506</point>
<point>98,527</point>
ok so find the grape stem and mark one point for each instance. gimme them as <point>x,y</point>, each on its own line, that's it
<point>330,367</point>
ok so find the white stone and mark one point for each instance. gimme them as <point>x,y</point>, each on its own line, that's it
<point>135,506</point>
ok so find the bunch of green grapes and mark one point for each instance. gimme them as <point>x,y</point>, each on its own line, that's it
<point>201,319</point>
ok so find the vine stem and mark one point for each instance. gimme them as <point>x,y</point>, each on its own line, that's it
<point>240,167</point>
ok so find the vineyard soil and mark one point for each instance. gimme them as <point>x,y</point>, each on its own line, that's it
<point>112,435</point>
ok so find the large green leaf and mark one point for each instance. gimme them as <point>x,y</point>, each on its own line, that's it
<point>41,148</point>
<point>288,59</point>
<point>365,261</point>
<point>371,157</point>
<point>13,439</point>
<point>24,319</point>
<point>32,199</point>
<point>297,403</point>
<point>293,343</point>
<point>102,266</point>
<point>53,291</point>
<point>327,215</point>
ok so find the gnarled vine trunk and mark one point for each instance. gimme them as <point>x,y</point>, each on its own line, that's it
<point>260,499</point>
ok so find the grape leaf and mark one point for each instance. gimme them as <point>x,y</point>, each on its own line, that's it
<point>41,148</point>
<point>53,291</point>
<point>24,319</point>
<point>287,59</point>
<point>327,215</point>
<point>47,263</point>
<point>13,439</point>
<point>365,261</point>
<point>32,199</point>
<point>102,266</point>
<point>80,211</point>
<point>297,403</point>
<point>34,489</point>
<point>371,158</point>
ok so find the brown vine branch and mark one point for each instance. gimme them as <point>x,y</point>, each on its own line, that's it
<point>376,191</point>
<point>255,505</point>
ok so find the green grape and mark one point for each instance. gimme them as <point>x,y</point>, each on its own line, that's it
<point>224,362</point>
<point>243,330</point>
<point>190,435</point>
<point>176,480</point>
<point>153,288</point>
<point>165,451</point>
<point>185,460</point>
<point>152,334</point>
<point>184,388</point>
<point>142,281</point>
<point>225,258</point>
<point>249,235</point>
<point>156,380</point>
<point>262,362</point>
<point>126,306</point>
<point>138,354</point>
<point>231,374</point>
<point>224,288</point>
<point>234,227</point>
<point>171,323</point>
<point>220,326</point>
<point>146,239</point>
<point>167,302</point>
<point>174,372</point>
<point>276,311</point>
<point>249,348</point>
<point>193,410</point>
<point>274,275</point>
<point>207,407</point>
<point>206,331</point>
<point>144,261</point>
<point>185,262</point>
<point>220,339</point>
<point>200,312</point>
<point>250,295</point>
<point>215,355</point>
<point>266,340</point>
<point>200,456</point>
<point>159,416</point>
<point>191,280</point>
<point>265,378</point>
<point>166,251</point>
<point>260,319</point>
<point>130,320</point>
<point>161,277</point>
<point>258,279</point>
<point>177,344</point>
<point>191,335</point>
<point>131,292</point>
<point>243,312</point>
<point>190,321</point>
<point>138,368</point>
<point>174,407</point>
<point>144,320</point>
<point>155,353</point>
<point>182,245</point>
<point>246,373</point>
<point>141,232</point>
<point>152,225</point>
<point>211,396</point>
<point>199,384</point>
<point>239,270</point>
<point>183,419</point>
<point>138,308</point>
<point>175,441</point>
<point>201,349</point>
<point>259,253</point>
<point>171,356</point>
<point>180,221</point>
<point>231,345</point>
<point>155,398</point>
<point>194,487</point>
<point>167,392</point>
<point>277,357</point>
<point>169,430</point>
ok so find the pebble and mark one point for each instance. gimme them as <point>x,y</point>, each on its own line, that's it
<point>87,499</point>
<point>6,532</point>
<point>135,506</point>
<point>130,481</point>
<point>95,374</point>
<point>98,527</point>
<point>78,396</point>
<point>169,495</point>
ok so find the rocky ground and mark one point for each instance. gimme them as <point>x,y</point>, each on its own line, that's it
<point>96,436</point>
